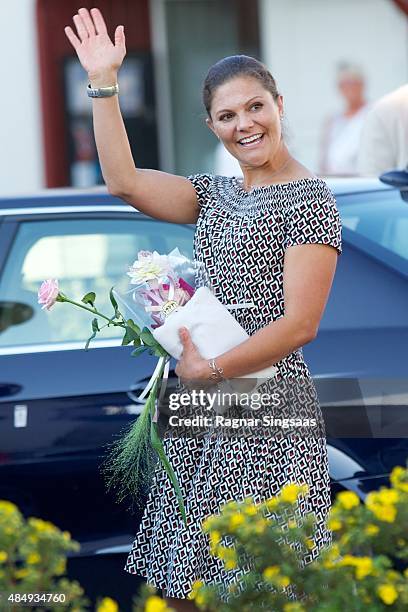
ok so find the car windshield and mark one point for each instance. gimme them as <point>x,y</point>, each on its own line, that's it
<point>381,218</point>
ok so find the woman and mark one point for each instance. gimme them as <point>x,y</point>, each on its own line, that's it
<point>273,239</point>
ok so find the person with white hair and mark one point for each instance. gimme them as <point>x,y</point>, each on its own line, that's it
<point>342,131</point>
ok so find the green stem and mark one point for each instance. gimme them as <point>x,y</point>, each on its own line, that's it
<point>93,310</point>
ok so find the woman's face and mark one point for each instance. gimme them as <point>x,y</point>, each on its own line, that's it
<point>246,118</point>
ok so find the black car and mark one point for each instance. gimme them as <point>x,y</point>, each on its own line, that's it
<point>60,405</point>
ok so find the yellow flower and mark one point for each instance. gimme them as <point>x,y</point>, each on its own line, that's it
<point>293,607</point>
<point>236,520</point>
<point>154,603</point>
<point>195,589</point>
<point>108,605</point>
<point>364,567</point>
<point>215,538</point>
<point>290,492</point>
<point>347,499</point>
<point>283,581</point>
<point>270,572</point>
<point>334,524</point>
<point>21,573</point>
<point>387,514</point>
<point>33,558</point>
<point>32,538</point>
<point>42,526</point>
<point>371,530</point>
<point>251,510</point>
<point>310,543</point>
<point>387,496</point>
<point>292,524</point>
<point>230,564</point>
<point>387,593</point>
<point>398,475</point>
<point>66,535</point>
<point>60,567</point>
<point>3,556</point>
<point>272,503</point>
<point>7,507</point>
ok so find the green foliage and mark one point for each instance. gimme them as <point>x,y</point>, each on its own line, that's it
<point>114,303</point>
<point>89,298</point>
<point>363,570</point>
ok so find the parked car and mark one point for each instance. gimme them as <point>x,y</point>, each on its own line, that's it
<point>60,406</point>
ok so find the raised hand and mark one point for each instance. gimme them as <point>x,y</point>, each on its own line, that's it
<point>96,52</point>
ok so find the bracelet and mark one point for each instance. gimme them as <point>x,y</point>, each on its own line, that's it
<point>216,372</point>
<point>102,92</point>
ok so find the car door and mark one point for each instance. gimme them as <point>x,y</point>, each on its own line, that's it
<point>59,404</point>
<point>358,358</point>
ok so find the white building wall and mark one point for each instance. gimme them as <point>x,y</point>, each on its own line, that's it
<point>302,43</point>
<point>21,150</point>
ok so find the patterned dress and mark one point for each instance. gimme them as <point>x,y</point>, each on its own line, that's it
<point>241,237</point>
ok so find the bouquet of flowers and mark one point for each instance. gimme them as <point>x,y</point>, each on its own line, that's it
<point>160,297</point>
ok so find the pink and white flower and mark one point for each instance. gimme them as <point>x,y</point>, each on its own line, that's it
<point>48,293</point>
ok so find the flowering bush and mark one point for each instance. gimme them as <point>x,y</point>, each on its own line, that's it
<point>362,570</point>
<point>33,560</point>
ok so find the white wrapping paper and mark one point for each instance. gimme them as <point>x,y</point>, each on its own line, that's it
<point>213,330</point>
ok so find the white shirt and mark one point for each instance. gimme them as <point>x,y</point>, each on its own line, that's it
<point>343,143</point>
<point>384,139</point>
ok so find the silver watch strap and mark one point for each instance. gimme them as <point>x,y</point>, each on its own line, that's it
<point>102,92</point>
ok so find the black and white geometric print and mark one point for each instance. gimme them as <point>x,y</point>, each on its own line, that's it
<point>241,239</point>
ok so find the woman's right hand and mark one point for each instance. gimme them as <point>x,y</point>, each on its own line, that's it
<point>96,52</point>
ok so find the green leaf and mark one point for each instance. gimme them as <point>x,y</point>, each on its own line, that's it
<point>130,336</point>
<point>89,298</point>
<point>147,337</point>
<point>133,326</point>
<point>95,329</point>
<point>158,351</point>
<point>158,447</point>
<point>114,303</point>
<point>138,351</point>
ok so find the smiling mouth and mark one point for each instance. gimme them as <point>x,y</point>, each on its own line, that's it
<point>249,141</point>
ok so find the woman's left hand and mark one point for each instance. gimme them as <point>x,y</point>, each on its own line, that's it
<point>191,366</point>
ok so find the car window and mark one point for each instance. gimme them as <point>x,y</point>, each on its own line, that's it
<point>84,255</point>
<point>380,217</point>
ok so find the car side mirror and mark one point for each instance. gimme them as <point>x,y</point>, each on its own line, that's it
<point>14,313</point>
<point>398,179</point>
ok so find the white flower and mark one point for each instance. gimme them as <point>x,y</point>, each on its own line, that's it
<point>149,266</point>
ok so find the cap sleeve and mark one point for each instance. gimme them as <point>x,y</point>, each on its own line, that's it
<point>201,183</point>
<point>314,220</point>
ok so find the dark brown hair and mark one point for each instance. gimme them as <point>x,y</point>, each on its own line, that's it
<point>234,66</point>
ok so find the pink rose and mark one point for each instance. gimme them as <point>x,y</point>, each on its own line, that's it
<point>48,293</point>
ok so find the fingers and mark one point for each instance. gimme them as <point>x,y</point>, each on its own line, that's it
<point>87,20</point>
<point>120,36</point>
<point>73,39</point>
<point>81,29</point>
<point>99,22</point>
<point>184,335</point>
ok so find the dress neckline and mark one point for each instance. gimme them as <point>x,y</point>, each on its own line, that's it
<point>236,183</point>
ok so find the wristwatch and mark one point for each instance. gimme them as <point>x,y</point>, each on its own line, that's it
<point>102,92</point>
